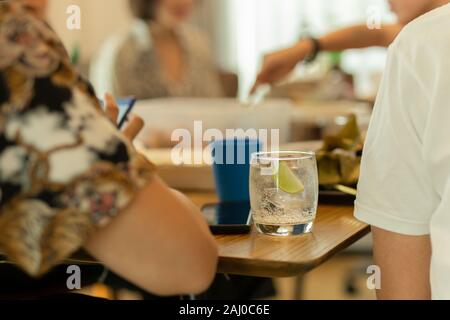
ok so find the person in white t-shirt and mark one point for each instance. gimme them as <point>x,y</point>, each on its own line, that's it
<point>404,188</point>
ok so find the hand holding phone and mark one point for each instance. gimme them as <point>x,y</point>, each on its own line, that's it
<point>125,106</point>
<point>119,112</point>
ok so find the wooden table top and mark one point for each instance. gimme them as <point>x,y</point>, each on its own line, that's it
<point>265,256</point>
<point>259,255</point>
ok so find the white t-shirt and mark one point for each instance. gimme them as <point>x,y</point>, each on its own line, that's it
<point>405,176</point>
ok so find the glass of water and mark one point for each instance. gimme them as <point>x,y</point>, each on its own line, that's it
<point>284,192</point>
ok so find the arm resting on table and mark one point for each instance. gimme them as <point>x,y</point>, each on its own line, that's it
<point>159,243</point>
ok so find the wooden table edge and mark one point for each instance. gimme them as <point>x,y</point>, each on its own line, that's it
<point>271,269</point>
<point>267,269</point>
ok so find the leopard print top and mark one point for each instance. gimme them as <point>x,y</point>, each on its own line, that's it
<point>64,167</point>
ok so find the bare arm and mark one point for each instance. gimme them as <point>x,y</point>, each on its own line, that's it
<point>360,36</point>
<point>405,265</point>
<point>279,64</point>
<point>160,243</point>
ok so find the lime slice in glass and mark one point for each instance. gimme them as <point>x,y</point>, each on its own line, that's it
<point>288,181</point>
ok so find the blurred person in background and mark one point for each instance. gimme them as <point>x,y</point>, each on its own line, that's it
<point>276,66</point>
<point>162,56</point>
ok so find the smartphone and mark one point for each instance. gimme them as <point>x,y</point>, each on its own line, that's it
<point>125,107</point>
<point>228,217</point>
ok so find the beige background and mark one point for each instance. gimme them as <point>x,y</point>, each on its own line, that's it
<point>99,20</point>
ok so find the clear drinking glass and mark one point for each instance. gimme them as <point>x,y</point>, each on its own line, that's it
<point>284,192</point>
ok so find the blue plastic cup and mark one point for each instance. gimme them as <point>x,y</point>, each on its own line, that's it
<point>231,167</point>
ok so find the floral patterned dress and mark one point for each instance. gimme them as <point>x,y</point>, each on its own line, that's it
<point>64,167</point>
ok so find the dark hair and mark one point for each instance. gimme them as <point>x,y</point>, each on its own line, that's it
<point>143,9</point>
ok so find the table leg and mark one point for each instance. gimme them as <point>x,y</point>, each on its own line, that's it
<point>299,286</point>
